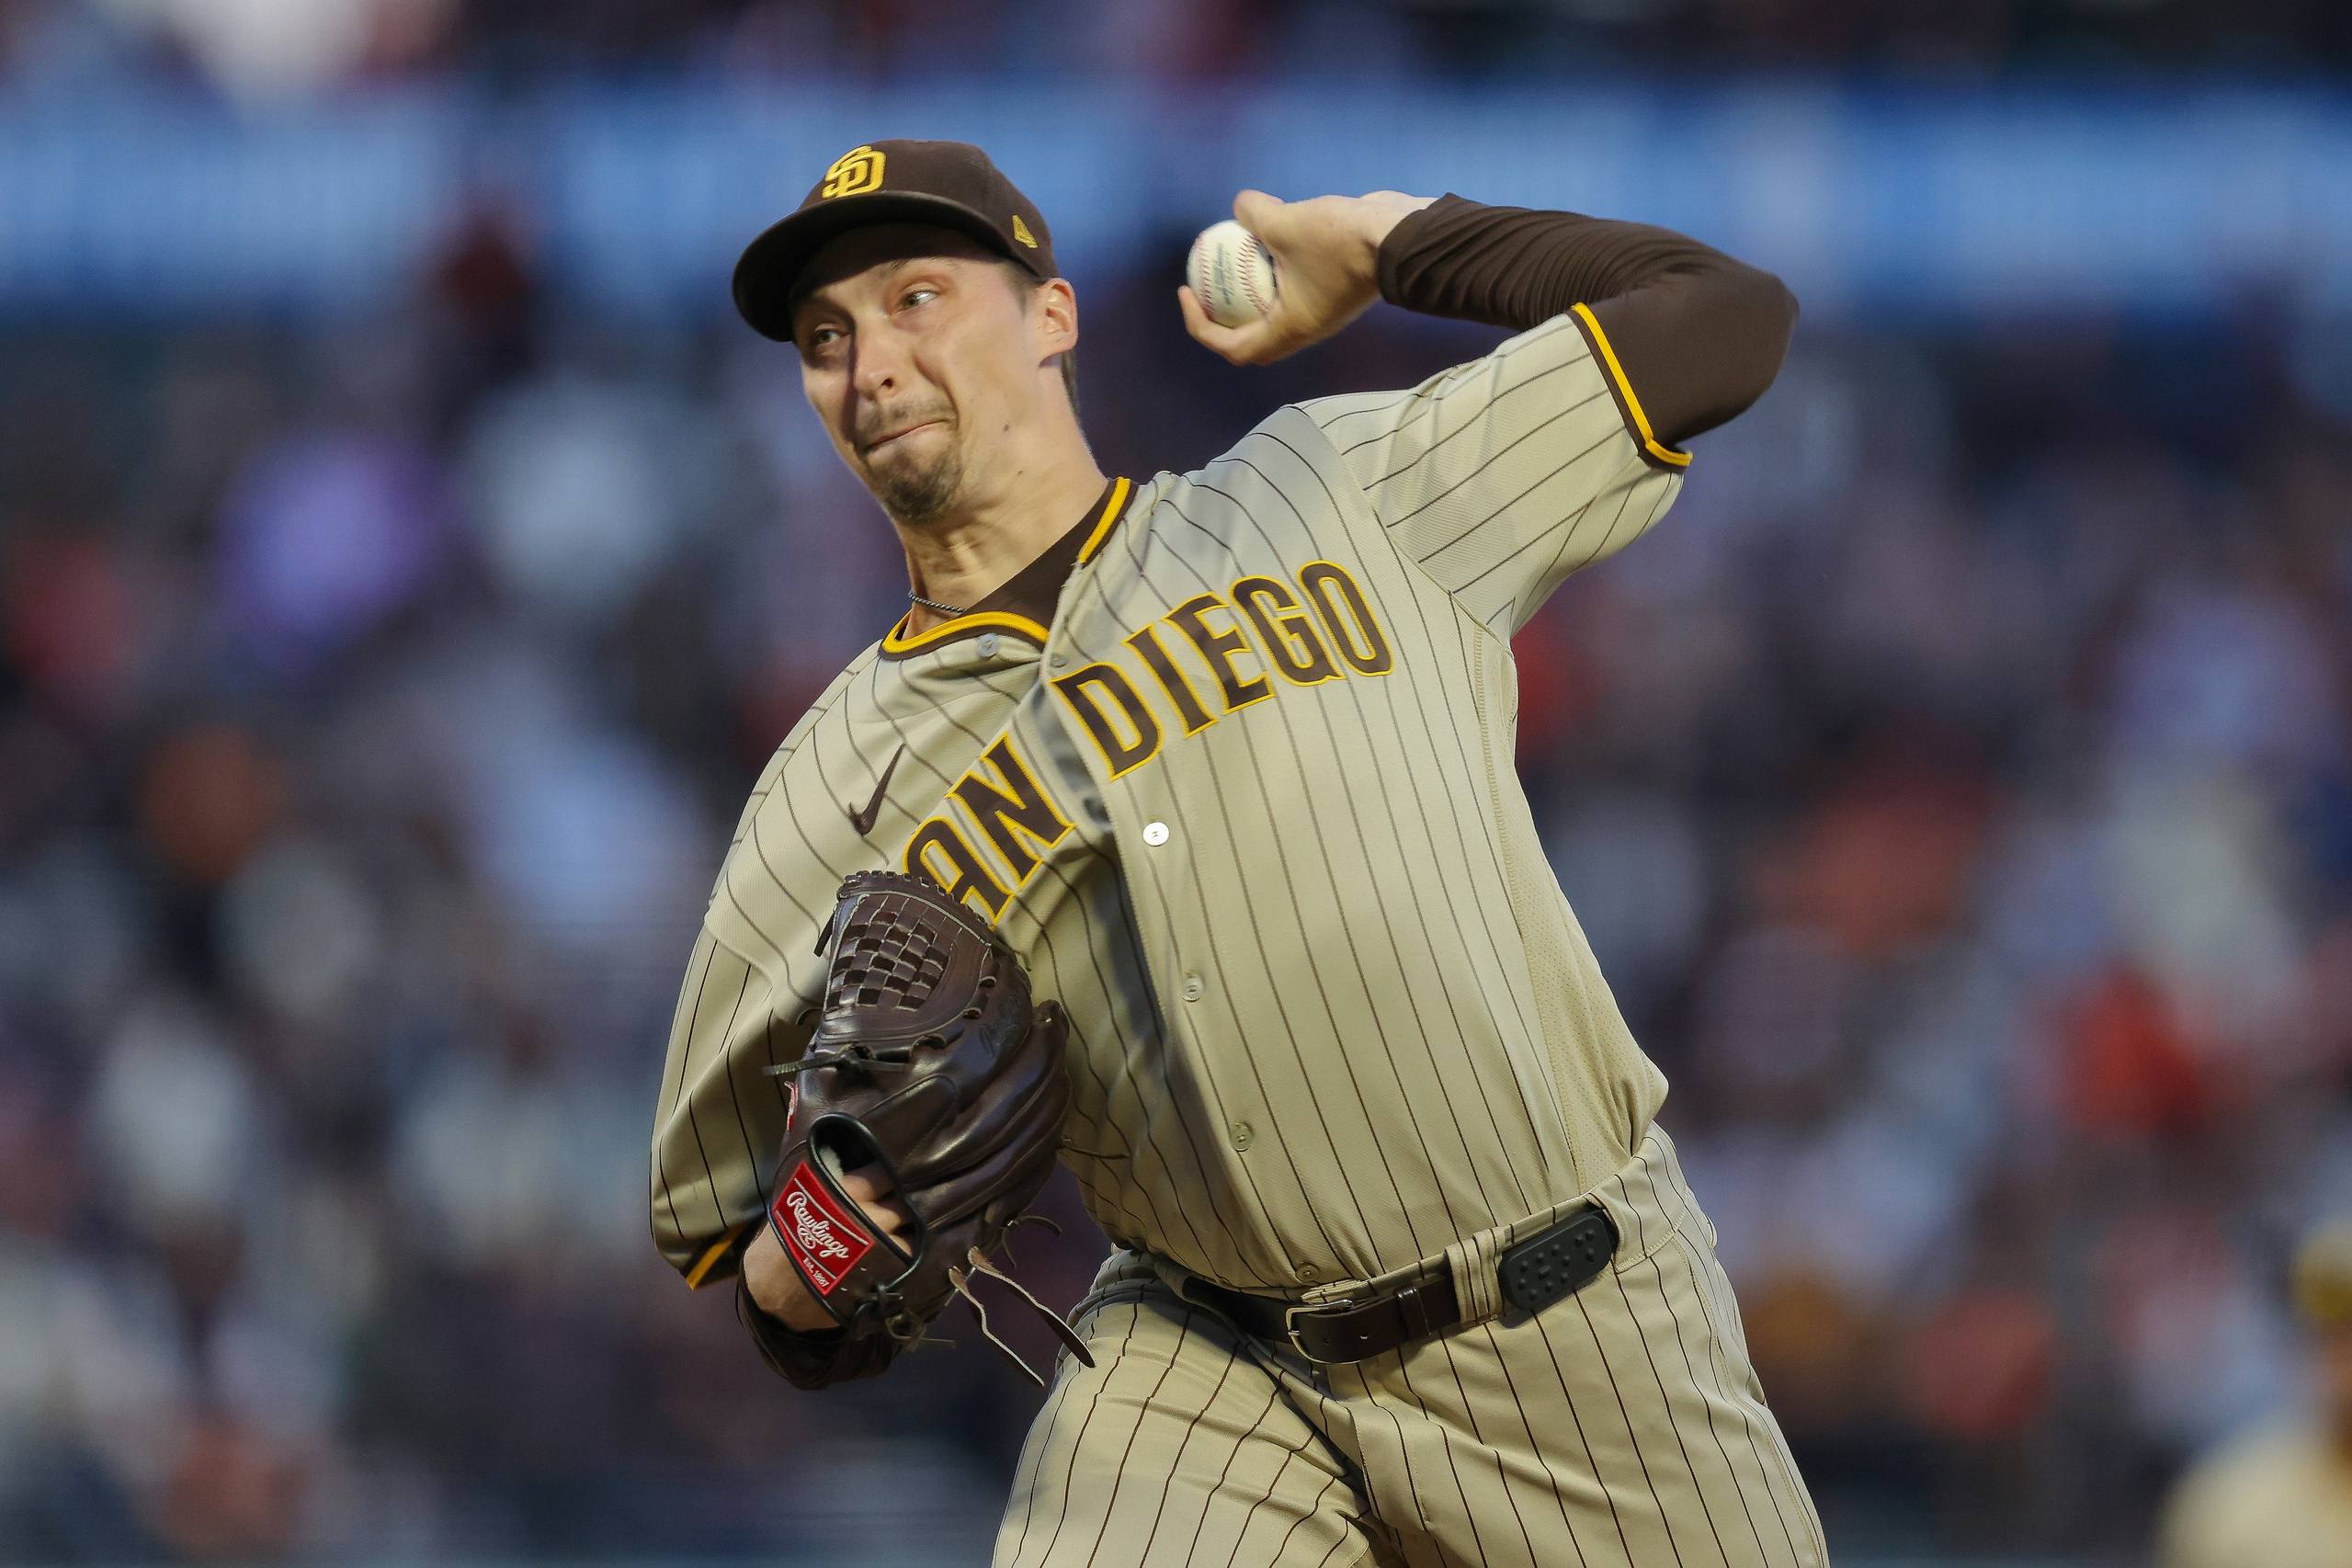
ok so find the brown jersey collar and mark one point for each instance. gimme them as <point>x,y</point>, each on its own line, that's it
<point>1023,605</point>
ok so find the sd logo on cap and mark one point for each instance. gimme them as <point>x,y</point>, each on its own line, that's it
<point>857,170</point>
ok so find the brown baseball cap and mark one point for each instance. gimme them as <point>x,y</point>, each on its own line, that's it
<point>951,184</point>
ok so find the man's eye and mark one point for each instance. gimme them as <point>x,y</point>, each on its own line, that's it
<point>823,336</point>
<point>917,296</point>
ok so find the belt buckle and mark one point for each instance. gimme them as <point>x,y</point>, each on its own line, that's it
<point>1290,1327</point>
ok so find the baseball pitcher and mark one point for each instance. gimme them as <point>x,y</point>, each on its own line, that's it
<point>1174,830</point>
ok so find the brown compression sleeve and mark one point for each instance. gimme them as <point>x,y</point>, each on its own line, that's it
<point>811,1360</point>
<point>1699,335</point>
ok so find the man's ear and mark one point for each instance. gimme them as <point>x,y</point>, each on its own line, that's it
<point>1056,304</point>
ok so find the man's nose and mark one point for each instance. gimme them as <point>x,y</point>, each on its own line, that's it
<point>880,367</point>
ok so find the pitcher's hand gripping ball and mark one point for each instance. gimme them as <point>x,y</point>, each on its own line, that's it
<point>929,1062</point>
<point>1232,274</point>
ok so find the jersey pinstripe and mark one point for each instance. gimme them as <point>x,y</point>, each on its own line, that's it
<point>1621,1426</point>
<point>1247,808</point>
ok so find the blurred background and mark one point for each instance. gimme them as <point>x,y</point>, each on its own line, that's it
<point>407,561</point>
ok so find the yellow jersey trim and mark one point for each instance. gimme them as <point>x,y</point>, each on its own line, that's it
<point>1649,442</point>
<point>709,1259</point>
<point>1119,490</point>
<point>897,642</point>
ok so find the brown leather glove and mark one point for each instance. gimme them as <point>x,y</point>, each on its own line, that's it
<point>930,1059</point>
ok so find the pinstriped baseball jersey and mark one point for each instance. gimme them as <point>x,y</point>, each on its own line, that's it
<point>1247,807</point>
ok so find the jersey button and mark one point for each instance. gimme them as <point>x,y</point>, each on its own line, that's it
<point>988,644</point>
<point>1193,988</point>
<point>1155,834</point>
<point>1306,1274</point>
<point>1242,1135</point>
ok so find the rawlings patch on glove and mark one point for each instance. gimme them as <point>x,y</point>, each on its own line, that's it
<point>930,1060</point>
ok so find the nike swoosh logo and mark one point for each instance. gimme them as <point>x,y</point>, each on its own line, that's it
<point>864,821</point>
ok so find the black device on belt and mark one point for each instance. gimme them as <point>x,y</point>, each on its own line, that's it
<point>1534,1273</point>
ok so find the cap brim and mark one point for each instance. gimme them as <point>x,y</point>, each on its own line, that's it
<point>764,275</point>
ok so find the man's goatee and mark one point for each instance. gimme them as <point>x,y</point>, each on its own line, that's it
<point>915,494</point>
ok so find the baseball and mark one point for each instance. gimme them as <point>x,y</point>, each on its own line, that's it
<point>1232,274</point>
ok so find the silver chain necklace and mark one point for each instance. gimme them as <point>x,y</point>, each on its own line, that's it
<point>950,611</point>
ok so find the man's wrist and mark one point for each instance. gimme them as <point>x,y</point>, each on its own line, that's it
<point>1377,216</point>
<point>1384,209</point>
<point>776,1289</point>
<point>825,1335</point>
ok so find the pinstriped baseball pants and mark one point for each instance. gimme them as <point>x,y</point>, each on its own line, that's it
<point>1620,1427</point>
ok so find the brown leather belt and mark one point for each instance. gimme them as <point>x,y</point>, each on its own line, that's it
<point>1533,1275</point>
<point>1341,1331</point>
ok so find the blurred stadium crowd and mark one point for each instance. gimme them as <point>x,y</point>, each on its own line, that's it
<point>265,46</point>
<point>1955,788</point>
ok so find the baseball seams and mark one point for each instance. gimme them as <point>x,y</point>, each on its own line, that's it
<point>1232,274</point>
<point>1249,809</point>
